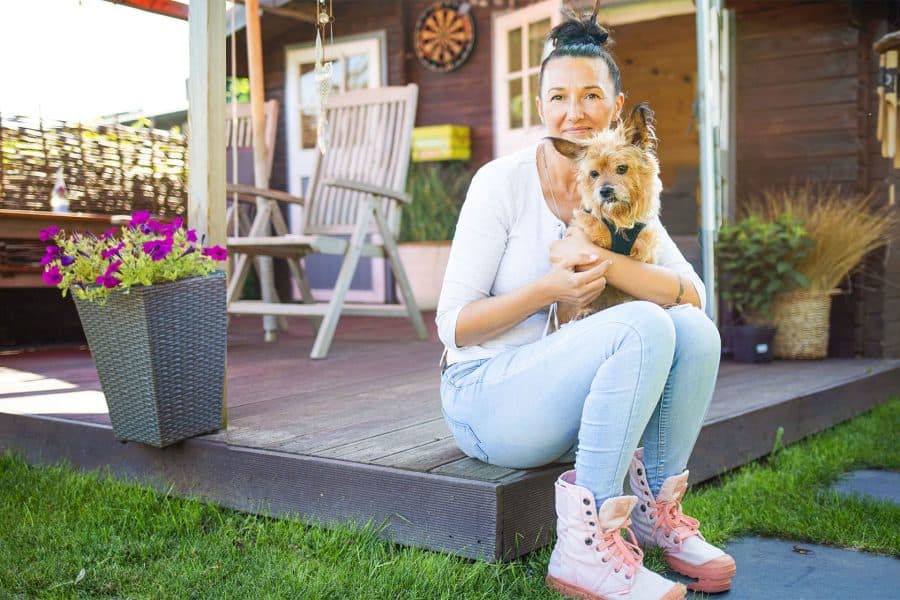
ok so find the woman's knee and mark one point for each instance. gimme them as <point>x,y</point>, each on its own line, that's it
<point>652,324</point>
<point>695,332</point>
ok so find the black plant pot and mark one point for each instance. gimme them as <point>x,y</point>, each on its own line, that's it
<point>752,344</point>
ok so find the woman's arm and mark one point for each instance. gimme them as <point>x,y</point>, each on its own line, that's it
<point>654,283</point>
<point>487,318</point>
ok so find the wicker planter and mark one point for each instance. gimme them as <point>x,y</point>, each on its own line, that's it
<point>802,321</point>
<point>160,356</point>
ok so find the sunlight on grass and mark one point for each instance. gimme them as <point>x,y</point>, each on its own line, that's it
<point>132,541</point>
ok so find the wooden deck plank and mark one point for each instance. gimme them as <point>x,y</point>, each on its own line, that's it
<point>373,408</point>
<point>471,468</point>
<point>386,444</point>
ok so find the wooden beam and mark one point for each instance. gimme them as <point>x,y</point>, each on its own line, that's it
<point>287,13</point>
<point>169,8</point>
<point>260,158</point>
<point>206,117</point>
<point>206,122</point>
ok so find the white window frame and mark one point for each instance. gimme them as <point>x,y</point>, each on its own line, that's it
<point>506,139</point>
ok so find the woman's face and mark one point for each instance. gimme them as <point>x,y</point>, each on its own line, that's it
<point>577,97</point>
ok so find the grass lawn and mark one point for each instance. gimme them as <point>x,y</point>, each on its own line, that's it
<point>67,534</point>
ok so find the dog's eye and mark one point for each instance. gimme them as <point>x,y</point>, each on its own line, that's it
<point>622,169</point>
<point>594,174</point>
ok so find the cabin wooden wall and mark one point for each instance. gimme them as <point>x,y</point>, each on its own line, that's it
<point>806,111</point>
<point>658,63</point>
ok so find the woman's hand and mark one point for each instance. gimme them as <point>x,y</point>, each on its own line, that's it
<point>578,289</point>
<point>575,246</point>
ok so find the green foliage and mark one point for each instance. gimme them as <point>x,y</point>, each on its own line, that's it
<point>757,260</point>
<point>438,190</point>
<point>237,89</point>
<point>134,542</point>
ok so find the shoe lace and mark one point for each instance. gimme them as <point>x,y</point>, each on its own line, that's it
<point>624,553</point>
<point>669,515</point>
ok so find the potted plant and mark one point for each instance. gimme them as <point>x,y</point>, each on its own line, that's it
<point>152,305</point>
<point>756,261</point>
<point>843,228</point>
<point>428,223</point>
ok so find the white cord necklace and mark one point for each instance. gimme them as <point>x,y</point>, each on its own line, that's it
<point>550,183</point>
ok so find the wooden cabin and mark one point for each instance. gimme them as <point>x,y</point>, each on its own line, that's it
<point>801,77</point>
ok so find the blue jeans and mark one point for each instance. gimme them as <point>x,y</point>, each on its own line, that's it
<point>633,374</point>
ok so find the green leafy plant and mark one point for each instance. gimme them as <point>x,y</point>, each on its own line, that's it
<point>143,252</point>
<point>438,190</point>
<point>757,260</point>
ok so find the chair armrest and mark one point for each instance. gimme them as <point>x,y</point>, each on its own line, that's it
<point>248,191</point>
<point>366,188</point>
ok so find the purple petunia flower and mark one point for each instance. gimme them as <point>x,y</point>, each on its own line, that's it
<point>216,253</point>
<point>113,268</point>
<point>52,276</point>
<point>139,218</point>
<point>108,281</point>
<point>172,227</point>
<point>66,260</point>
<point>110,252</point>
<point>192,235</point>
<point>49,233</point>
<point>51,255</point>
<point>108,233</point>
<point>158,249</point>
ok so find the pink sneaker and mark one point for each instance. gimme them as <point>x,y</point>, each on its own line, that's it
<point>660,522</point>
<point>591,560</point>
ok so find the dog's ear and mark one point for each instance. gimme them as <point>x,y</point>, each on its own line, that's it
<point>639,127</point>
<point>572,150</point>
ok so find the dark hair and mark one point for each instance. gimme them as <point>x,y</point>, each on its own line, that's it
<point>582,36</point>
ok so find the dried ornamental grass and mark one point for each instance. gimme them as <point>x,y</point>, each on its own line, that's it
<point>843,226</point>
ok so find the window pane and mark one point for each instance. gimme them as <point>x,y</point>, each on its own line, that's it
<point>537,33</point>
<point>357,72</point>
<point>533,91</point>
<point>515,103</point>
<point>514,46</point>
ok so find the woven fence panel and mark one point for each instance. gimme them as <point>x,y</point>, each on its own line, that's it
<point>108,169</point>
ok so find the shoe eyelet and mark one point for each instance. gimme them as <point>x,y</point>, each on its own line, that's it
<point>641,482</point>
<point>586,501</point>
<point>643,508</point>
<point>640,471</point>
<point>603,559</point>
<point>588,541</point>
<point>628,577</point>
<point>667,536</point>
<point>616,570</point>
<point>592,524</point>
<point>676,540</point>
<point>588,513</point>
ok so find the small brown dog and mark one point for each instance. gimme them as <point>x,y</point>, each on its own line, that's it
<point>618,177</point>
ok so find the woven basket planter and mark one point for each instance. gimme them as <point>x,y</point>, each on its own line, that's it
<point>160,355</point>
<point>802,321</point>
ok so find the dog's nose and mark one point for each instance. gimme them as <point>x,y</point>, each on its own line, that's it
<point>606,192</point>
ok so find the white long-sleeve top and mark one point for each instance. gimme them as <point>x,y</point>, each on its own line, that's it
<point>502,243</point>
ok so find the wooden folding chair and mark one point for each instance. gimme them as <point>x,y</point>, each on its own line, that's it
<point>357,188</point>
<point>238,216</point>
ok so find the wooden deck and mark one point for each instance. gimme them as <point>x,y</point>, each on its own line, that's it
<point>360,434</point>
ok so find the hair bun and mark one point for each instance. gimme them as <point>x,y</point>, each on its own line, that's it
<point>578,31</point>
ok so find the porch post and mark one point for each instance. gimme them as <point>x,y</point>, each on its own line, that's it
<point>206,122</point>
<point>708,95</point>
<point>260,152</point>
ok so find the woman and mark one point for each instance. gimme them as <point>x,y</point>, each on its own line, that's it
<point>593,391</point>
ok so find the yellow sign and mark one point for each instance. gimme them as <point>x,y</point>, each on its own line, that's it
<point>441,142</point>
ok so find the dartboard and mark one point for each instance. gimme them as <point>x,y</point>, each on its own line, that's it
<point>445,35</point>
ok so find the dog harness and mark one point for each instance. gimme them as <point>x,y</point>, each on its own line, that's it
<point>623,240</point>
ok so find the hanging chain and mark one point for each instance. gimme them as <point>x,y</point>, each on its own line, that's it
<point>323,70</point>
